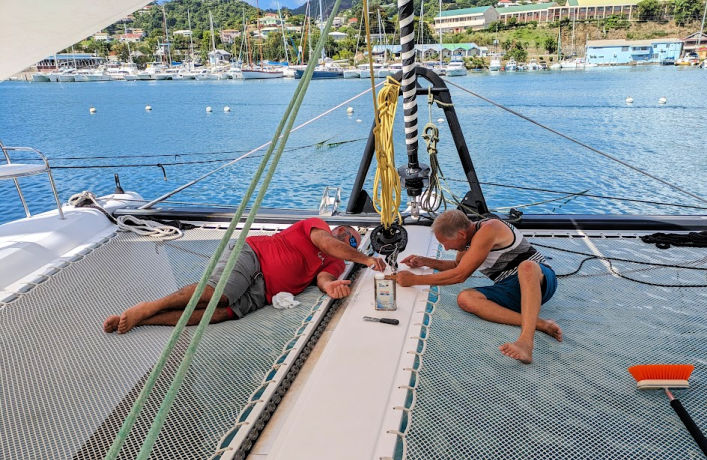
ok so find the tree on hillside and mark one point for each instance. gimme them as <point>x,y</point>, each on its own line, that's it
<point>686,11</point>
<point>550,45</point>
<point>517,52</point>
<point>650,9</point>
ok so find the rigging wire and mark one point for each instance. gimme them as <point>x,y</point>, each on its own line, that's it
<point>606,155</point>
<point>320,144</point>
<point>588,195</point>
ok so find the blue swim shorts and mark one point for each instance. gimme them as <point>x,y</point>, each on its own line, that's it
<point>507,292</point>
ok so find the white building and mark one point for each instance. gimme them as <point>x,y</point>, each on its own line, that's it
<point>465,18</point>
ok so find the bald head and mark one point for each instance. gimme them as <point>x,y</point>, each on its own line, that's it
<point>450,222</point>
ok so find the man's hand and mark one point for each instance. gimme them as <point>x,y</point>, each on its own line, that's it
<point>414,261</point>
<point>404,278</point>
<point>376,263</point>
<point>338,289</point>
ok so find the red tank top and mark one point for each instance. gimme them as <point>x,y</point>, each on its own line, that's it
<point>290,261</point>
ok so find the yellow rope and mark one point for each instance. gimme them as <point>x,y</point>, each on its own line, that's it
<point>386,184</point>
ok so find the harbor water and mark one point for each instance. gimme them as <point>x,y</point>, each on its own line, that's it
<point>158,150</point>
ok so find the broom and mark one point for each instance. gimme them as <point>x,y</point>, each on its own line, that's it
<point>664,376</point>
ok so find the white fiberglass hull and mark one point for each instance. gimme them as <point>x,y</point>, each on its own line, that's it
<point>40,77</point>
<point>457,72</point>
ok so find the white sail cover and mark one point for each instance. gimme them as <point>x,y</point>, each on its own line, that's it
<point>31,30</point>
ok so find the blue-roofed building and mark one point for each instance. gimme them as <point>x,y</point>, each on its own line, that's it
<point>466,18</point>
<point>622,52</point>
<point>449,50</point>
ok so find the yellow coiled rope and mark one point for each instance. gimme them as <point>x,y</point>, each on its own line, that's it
<point>386,184</point>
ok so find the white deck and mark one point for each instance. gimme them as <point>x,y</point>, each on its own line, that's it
<point>341,405</point>
<point>30,246</point>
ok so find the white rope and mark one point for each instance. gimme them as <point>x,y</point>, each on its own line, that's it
<point>128,223</point>
<point>149,228</point>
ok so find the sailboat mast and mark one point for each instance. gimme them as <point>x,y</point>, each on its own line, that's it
<point>211,25</point>
<point>127,42</point>
<point>191,41</point>
<point>420,32</point>
<point>168,55</point>
<point>574,19</point>
<point>321,27</point>
<point>309,37</point>
<point>243,39</point>
<point>413,175</point>
<point>440,33</point>
<point>559,42</point>
<point>282,27</point>
<point>260,34</point>
<point>702,27</point>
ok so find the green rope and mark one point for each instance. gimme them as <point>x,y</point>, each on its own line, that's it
<point>157,424</point>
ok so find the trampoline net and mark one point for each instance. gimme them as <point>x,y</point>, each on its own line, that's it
<point>67,386</point>
<point>576,400</point>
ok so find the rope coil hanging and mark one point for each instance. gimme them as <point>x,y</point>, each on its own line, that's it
<point>386,183</point>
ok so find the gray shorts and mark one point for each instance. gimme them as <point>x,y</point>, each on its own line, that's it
<point>245,288</point>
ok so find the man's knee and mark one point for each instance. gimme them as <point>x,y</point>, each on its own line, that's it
<point>528,270</point>
<point>470,300</point>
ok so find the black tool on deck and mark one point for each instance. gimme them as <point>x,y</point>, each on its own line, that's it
<point>392,321</point>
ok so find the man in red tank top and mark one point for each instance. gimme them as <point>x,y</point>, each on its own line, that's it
<point>289,261</point>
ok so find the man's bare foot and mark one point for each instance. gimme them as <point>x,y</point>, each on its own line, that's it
<point>522,351</point>
<point>550,328</point>
<point>131,317</point>
<point>111,324</point>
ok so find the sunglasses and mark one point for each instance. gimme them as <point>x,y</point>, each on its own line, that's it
<point>352,239</point>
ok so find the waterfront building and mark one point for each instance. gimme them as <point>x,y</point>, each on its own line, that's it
<point>622,52</point>
<point>481,17</point>
<point>466,18</point>
<point>450,50</point>
<point>75,60</point>
<point>219,57</point>
<point>539,12</point>
<point>690,44</point>
<point>593,9</point>
<point>183,33</point>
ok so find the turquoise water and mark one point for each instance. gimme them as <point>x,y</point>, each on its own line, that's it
<point>664,140</point>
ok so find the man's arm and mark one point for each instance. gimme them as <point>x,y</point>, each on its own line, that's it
<point>414,261</point>
<point>335,248</point>
<point>470,260</point>
<point>333,287</point>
